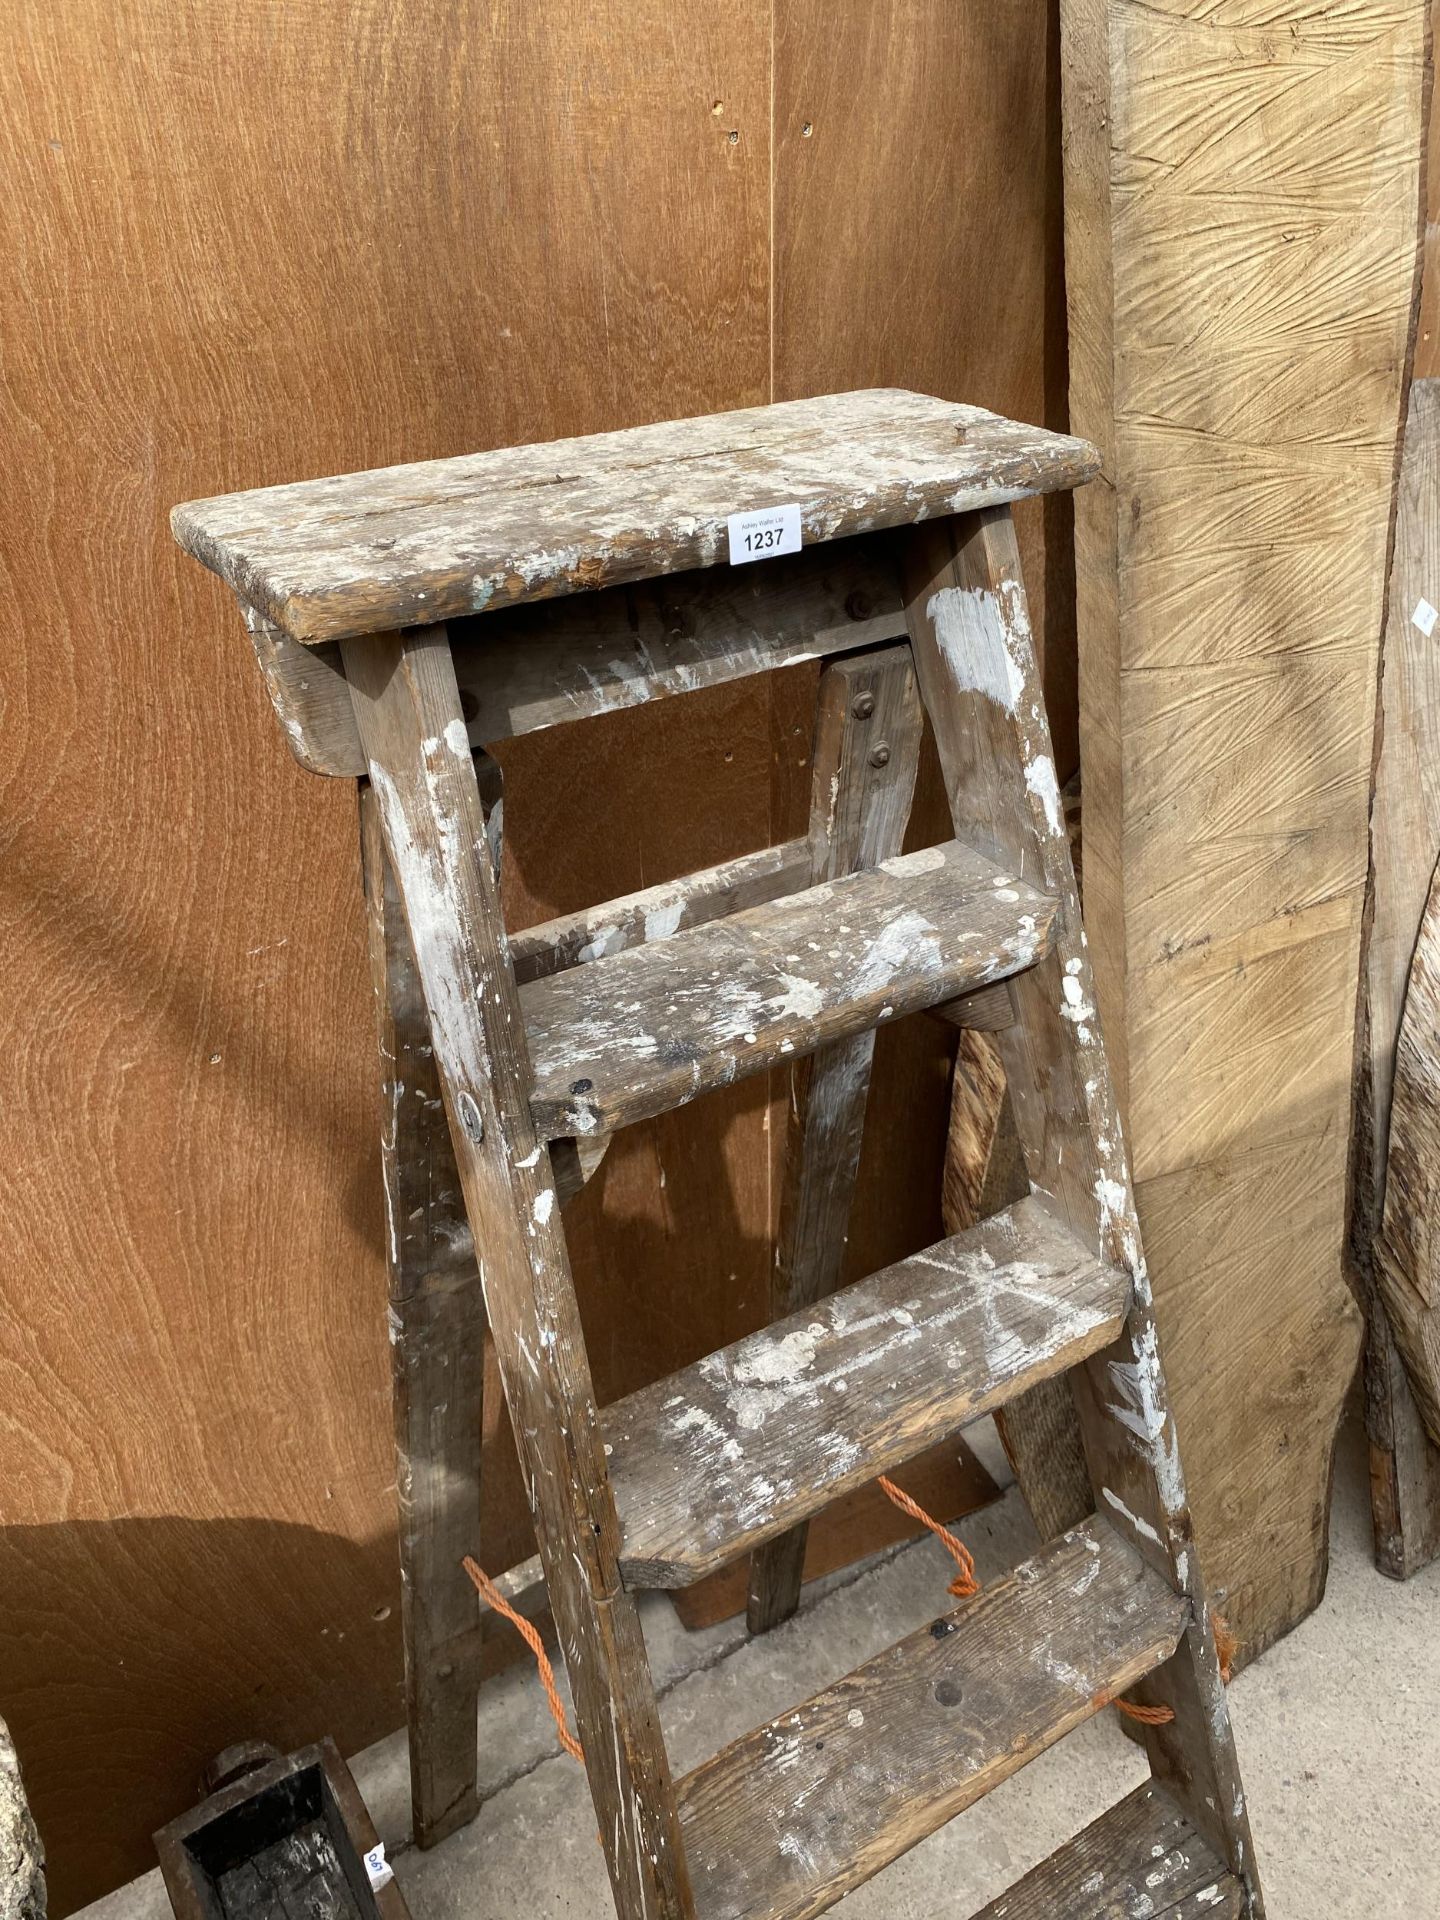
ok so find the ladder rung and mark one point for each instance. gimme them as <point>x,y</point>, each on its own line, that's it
<point>641,1032</point>
<point>1142,1857</point>
<point>784,1822</point>
<point>720,1458</point>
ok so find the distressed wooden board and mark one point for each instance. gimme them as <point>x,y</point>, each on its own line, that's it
<point>247,244</point>
<point>1140,1861</point>
<point>761,1434</point>
<point>650,1029</point>
<point>985,1171</point>
<point>437,540</point>
<point>1406,1253</point>
<point>949,1481</point>
<point>656,913</point>
<point>1242,190</point>
<point>427,801</point>
<point>526,668</point>
<point>1404,845</point>
<point>437,1347</point>
<point>779,1825</point>
<point>975,658</point>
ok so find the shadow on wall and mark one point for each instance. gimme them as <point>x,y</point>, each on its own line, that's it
<point>177,1637</point>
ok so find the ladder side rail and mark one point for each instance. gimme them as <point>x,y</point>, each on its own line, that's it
<point>970,629</point>
<point>407,706</point>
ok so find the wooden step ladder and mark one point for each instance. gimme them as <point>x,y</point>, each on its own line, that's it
<point>405,618</point>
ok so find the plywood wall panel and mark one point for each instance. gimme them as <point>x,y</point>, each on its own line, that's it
<point>255,241</point>
<point>249,242</point>
<point>1242,187</point>
<point>918,234</point>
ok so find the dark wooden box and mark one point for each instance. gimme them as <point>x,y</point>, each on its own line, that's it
<point>290,1840</point>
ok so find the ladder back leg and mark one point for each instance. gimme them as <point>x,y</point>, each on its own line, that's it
<point>437,1329</point>
<point>868,727</point>
<point>408,712</point>
<point>974,656</point>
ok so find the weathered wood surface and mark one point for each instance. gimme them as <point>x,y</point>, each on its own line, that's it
<point>437,1350</point>
<point>781,1824</point>
<point>1407,1256</point>
<point>948,1481</point>
<point>762,1434</point>
<point>1140,1861</point>
<point>1404,847</point>
<point>866,751</point>
<point>407,546</point>
<point>523,669</point>
<point>974,655</point>
<point>1242,210</point>
<point>647,1030</point>
<point>407,705</point>
<point>178,890</point>
<point>985,1171</point>
<point>572,939</point>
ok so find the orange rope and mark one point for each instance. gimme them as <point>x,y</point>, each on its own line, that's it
<point>1147,1716</point>
<point>492,1596</point>
<point>1226,1647</point>
<point>965,1583</point>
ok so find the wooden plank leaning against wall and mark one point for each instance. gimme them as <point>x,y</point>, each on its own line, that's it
<point>1404,846</point>
<point>1241,244</point>
<point>466,241</point>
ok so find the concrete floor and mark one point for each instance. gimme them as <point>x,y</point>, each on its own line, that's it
<point>1338,1728</point>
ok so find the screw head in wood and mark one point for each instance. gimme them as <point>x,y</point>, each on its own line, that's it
<point>880,755</point>
<point>471,1118</point>
<point>863,706</point>
<point>857,605</point>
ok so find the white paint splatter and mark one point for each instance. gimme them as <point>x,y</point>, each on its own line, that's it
<point>970,634</point>
<point>905,866</point>
<point>1040,779</point>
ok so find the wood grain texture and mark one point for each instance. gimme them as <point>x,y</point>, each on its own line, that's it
<point>1406,1254</point>
<point>1142,1860</point>
<point>1242,190</point>
<point>246,244</point>
<point>948,1481</point>
<point>427,799</point>
<point>864,759</point>
<point>646,1030</point>
<point>542,664</point>
<point>437,540</point>
<point>785,1821</point>
<point>572,939</point>
<point>437,1354</point>
<point>241,252</point>
<point>1404,846</point>
<point>918,235</point>
<point>768,1431</point>
<point>979,679</point>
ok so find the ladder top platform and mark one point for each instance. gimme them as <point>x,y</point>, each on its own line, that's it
<point>441,539</point>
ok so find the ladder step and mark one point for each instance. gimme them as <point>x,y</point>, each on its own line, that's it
<point>784,1822</point>
<point>720,1458</point>
<point>1142,1857</point>
<point>637,1033</point>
